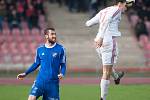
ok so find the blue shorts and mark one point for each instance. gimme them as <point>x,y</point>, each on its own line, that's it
<point>49,90</point>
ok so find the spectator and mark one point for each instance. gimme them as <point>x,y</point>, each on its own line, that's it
<point>93,7</point>
<point>29,14</point>
<point>13,19</point>
<point>2,8</point>
<point>140,29</point>
<point>20,9</point>
<point>72,5</point>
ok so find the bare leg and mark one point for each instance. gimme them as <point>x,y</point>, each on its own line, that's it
<point>31,97</point>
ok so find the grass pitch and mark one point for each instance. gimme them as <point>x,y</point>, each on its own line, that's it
<point>81,92</point>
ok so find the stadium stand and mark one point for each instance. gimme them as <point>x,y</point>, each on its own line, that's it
<point>21,24</point>
<point>19,38</point>
<point>139,17</point>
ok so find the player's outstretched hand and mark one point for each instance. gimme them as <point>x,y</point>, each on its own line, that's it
<point>21,76</point>
<point>60,76</point>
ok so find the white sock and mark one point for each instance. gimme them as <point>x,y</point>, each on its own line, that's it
<point>104,88</point>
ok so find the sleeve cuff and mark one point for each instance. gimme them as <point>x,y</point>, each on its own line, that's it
<point>87,24</point>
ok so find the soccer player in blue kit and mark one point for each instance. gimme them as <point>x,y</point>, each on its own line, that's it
<point>51,58</point>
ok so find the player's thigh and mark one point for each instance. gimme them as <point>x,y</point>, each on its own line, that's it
<point>110,57</point>
<point>107,54</point>
<point>32,97</point>
<point>107,70</point>
<point>36,90</point>
<point>52,91</point>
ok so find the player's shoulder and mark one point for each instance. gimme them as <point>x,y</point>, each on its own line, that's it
<point>113,11</point>
<point>110,9</point>
<point>41,46</point>
<point>59,45</point>
<point>116,11</point>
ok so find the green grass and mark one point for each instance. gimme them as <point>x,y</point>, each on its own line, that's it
<point>81,92</point>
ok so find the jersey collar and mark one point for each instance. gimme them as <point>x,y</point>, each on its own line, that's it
<point>47,46</point>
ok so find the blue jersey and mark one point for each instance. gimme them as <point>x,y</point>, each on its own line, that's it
<point>52,61</point>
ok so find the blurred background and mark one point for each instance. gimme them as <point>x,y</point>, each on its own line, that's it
<point>22,23</point>
<point>21,32</point>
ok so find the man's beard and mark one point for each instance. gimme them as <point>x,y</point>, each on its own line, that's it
<point>51,42</point>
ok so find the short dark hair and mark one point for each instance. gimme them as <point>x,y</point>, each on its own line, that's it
<point>47,29</point>
<point>122,1</point>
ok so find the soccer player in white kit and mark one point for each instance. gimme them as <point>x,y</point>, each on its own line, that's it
<point>105,41</point>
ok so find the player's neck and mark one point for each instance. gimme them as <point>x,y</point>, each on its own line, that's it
<point>49,45</point>
<point>119,7</point>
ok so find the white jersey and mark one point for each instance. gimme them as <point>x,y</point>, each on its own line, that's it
<point>108,20</point>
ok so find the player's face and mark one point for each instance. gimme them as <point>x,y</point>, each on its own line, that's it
<point>123,7</point>
<point>51,36</point>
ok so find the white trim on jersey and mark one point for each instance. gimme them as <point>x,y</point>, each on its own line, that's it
<point>47,46</point>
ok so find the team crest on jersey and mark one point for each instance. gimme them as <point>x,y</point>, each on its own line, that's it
<point>54,54</point>
<point>43,54</point>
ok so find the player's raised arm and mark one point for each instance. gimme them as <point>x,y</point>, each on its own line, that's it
<point>93,21</point>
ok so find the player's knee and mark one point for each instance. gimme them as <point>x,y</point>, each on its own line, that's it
<point>32,97</point>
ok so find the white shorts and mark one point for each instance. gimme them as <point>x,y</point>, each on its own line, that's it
<point>108,52</point>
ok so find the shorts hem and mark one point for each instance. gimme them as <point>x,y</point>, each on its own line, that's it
<point>107,64</point>
<point>32,95</point>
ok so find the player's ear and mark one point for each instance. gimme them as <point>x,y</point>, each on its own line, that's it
<point>46,36</point>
